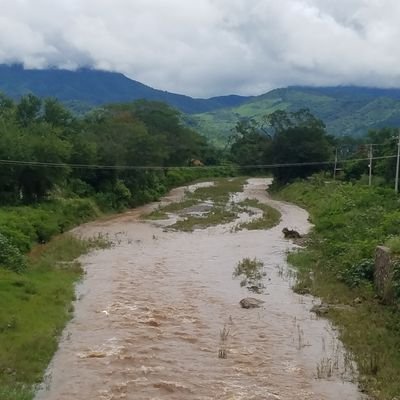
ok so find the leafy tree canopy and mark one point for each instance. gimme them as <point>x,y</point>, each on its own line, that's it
<point>299,138</point>
<point>135,134</point>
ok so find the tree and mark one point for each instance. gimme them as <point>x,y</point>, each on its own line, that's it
<point>250,144</point>
<point>6,105</point>
<point>42,144</point>
<point>55,113</point>
<point>384,145</point>
<point>298,138</point>
<point>28,110</point>
<point>387,139</point>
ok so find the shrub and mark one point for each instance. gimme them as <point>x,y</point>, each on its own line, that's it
<point>250,268</point>
<point>122,195</point>
<point>17,228</point>
<point>396,280</point>
<point>10,257</point>
<point>46,229</point>
<point>394,244</point>
<point>25,226</point>
<point>360,272</point>
<point>74,211</point>
<point>80,188</point>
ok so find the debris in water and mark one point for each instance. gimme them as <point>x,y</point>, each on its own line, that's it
<point>224,333</point>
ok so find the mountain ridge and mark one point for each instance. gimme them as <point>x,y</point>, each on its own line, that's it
<point>97,87</point>
<point>346,110</point>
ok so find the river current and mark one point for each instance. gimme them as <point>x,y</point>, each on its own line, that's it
<point>150,312</point>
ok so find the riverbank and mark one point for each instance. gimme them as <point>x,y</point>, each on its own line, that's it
<point>350,221</point>
<point>35,307</point>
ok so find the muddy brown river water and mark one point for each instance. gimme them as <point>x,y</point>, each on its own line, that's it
<point>150,311</point>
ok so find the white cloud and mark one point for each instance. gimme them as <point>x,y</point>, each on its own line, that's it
<point>210,47</point>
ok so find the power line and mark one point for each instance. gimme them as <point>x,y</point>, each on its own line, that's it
<point>145,167</point>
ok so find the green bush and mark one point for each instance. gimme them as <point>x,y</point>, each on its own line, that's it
<point>360,272</point>
<point>46,229</point>
<point>72,212</point>
<point>353,219</point>
<point>394,244</point>
<point>80,188</point>
<point>25,226</point>
<point>396,281</point>
<point>17,228</point>
<point>10,257</point>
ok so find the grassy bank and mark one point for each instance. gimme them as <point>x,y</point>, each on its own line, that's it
<point>270,216</point>
<point>350,221</point>
<point>34,308</point>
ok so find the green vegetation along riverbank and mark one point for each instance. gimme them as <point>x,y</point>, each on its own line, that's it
<point>35,305</point>
<point>337,266</point>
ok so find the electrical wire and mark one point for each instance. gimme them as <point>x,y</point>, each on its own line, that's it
<point>145,167</point>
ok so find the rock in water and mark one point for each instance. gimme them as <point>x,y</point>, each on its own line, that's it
<point>250,302</point>
<point>320,309</point>
<point>291,234</point>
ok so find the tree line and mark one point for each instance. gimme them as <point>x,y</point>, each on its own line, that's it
<point>285,138</point>
<point>142,133</point>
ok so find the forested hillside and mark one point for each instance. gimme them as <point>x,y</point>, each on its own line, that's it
<point>345,110</point>
<point>85,88</point>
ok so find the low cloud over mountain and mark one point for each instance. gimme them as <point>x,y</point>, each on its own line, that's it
<point>210,47</point>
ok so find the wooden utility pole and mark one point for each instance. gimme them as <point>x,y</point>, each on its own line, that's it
<point>335,167</point>
<point>370,164</point>
<point>396,184</point>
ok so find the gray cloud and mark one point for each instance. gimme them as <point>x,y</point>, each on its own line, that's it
<point>210,47</point>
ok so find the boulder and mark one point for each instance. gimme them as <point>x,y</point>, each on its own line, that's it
<point>250,302</point>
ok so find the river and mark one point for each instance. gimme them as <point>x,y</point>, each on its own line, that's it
<point>150,311</point>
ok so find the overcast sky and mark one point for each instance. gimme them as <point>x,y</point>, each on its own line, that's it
<point>210,47</point>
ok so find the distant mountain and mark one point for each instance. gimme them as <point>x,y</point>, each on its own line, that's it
<point>346,110</point>
<point>93,88</point>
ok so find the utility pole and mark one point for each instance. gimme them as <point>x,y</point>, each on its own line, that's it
<point>370,164</point>
<point>396,184</point>
<point>335,167</point>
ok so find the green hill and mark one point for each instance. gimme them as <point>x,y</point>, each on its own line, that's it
<point>86,88</point>
<point>345,110</point>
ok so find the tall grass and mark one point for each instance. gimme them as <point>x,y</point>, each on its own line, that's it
<point>221,212</point>
<point>35,307</point>
<point>270,216</point>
